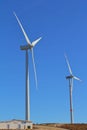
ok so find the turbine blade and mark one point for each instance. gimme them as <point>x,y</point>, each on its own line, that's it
<point>36,41</point>
<point>68,65</point>
<point>25,35</point>
<point>34,67</point>
<point>76,78</point>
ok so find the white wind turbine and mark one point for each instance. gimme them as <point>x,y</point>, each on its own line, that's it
<point>70,78</point>
<point>27,47</point>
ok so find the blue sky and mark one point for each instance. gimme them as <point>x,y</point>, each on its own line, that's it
<point>63,28</point>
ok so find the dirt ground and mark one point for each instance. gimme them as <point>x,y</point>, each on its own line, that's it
<point>41,127</point>
<point>74,126</point>
<point>60,127</point>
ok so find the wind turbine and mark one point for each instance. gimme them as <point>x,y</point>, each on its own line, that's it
<point>70,78</point>
<point>29,46</point>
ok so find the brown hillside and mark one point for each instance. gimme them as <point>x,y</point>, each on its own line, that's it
<point>62,126</point>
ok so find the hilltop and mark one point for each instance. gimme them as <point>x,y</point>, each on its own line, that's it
<point>55,126</point>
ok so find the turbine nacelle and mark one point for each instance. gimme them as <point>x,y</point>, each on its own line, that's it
<point>69,77</point>
<point>73,77</point>
<point>26,47</point>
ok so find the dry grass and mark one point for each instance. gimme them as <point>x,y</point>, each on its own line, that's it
<point>45,127</point>
<point>74,126</point>
<point>61,127</point>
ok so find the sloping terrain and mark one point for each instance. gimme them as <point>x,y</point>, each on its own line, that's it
<point>74,126</point>
<point>60,127</point>
<point>45,127</point>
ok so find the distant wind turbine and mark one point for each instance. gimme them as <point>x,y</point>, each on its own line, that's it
<point>27,47</point>
<point>70,78</point>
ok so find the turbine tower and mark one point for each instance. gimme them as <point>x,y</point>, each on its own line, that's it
<point>27,47</point>
<point>70,78</point>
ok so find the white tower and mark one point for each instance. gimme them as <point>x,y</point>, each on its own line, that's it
<point>27,47</point>
<point>70,78</point>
